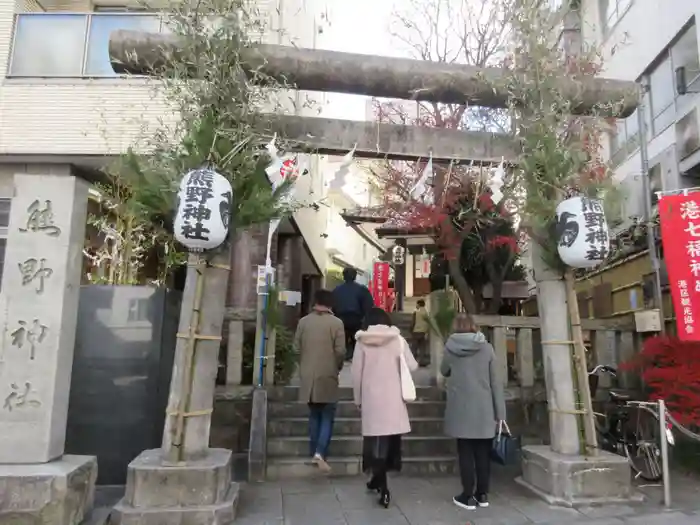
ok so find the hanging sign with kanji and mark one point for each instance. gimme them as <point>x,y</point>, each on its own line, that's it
<point>583,237</point>
<point>203,210</point>
<point>380,284</point>
<point>680,235</point>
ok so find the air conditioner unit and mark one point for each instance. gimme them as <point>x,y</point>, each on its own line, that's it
<point>687,134</point>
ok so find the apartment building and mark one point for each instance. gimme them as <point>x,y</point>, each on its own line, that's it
<point>64,111</point>
<point>654,42</point>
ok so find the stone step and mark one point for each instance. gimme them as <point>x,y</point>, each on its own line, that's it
<point>295,409</point>
<point>344,426</point>
<point>341,446</point>
<point>285,468</point>
<point>291,393</point>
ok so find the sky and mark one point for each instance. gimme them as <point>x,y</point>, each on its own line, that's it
<point>357,26</point>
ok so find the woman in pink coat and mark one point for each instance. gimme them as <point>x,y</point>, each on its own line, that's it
<point>377,389</point>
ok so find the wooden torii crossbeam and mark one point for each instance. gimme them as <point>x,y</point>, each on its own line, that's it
<point>139,52</point>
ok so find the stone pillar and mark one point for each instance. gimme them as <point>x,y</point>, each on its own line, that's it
<point>234,354</point>
<point>40,293</point>
<point>242,295</point>
<point>289,273</point>
<point>186,481</point>
<point>559,473</point>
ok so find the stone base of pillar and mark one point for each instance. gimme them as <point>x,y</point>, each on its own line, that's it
<point>571,481</point>
<point>60,492</point>
<point>196,492</point>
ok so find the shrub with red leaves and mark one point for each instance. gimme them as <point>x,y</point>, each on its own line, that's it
<point>671,370</point>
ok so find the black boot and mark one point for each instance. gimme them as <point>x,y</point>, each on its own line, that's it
<point>385,498</point>
<point>373,484</point>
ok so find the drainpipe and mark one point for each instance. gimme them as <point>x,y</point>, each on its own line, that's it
<point>646,187</point>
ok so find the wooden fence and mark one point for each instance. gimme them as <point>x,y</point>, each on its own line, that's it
<point>517,343</point>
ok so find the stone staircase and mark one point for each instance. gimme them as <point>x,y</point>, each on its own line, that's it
<point>403,321</point>
<point>426,451</point>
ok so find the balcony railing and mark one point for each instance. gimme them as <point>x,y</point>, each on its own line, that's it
<point>70,45</point>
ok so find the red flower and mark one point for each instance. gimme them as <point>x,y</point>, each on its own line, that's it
<point>486,202</point>
<point>671,369</point>
<point>503,241</point>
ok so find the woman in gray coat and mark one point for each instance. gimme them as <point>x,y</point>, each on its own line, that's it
<point>475,406</point>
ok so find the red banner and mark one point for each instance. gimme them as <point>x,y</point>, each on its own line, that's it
<point>380,284</point>
<point>680,234</point>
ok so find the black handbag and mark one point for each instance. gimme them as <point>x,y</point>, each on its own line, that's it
<point>506,447</point>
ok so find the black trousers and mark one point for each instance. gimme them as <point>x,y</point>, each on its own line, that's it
<point>474,465</point>
<point>351,324</point>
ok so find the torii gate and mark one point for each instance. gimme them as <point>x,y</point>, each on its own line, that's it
<point>316,70</point>
<point>137,52</point>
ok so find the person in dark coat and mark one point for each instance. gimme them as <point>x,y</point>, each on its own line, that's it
<point>351,301</point>
<point>475,407</point>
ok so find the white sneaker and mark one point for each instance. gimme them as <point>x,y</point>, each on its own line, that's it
<point>321,463</point>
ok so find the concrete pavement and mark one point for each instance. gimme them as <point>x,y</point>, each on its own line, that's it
<point>425,501</point>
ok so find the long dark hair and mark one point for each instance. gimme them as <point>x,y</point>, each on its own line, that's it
<point>377,316</point>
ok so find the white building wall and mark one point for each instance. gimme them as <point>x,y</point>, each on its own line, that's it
<point>341,240</point>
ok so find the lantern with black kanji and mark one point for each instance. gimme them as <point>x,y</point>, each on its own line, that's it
<point>583,237</point>
<point>398,254</point>
<point>203,210</point>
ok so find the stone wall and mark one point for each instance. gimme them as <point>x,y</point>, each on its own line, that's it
<point>231,426</point>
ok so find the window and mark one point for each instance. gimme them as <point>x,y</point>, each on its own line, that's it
<point>97,63</point>
<point>69,45</point>
<point>625,139</point>
<point>632,128</point>
<point>664,100</point>
<point>138,310</point>
<point>4,224</point>
<point>48,45</point>
<point>684,53</point>
<point>663,94</point>
<point>611,11</point>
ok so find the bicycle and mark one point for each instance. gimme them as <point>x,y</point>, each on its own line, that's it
<point>630,428</point>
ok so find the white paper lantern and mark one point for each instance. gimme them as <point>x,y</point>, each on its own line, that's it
<point>583,237</point>
<point>398,254</point>
<point>203,210</point>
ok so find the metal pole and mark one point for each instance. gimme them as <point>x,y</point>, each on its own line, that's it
<point>263,326</point>
<point>651,241</point>
<point>664,454</point>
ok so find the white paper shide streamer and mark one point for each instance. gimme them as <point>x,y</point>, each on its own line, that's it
<point>421,191</point>
<point>341,174</point>
<point>203,210</point>
<point>496,182</point>
<point>275,167</point>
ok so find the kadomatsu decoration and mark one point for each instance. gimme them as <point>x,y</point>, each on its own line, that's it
<point>583,237</point>
<point>203,210</point>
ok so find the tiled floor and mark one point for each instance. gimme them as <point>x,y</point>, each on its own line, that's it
<point>343,501</point>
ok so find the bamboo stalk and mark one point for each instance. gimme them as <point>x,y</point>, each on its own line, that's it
<point>177,450</point>
<point>589,429</point>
